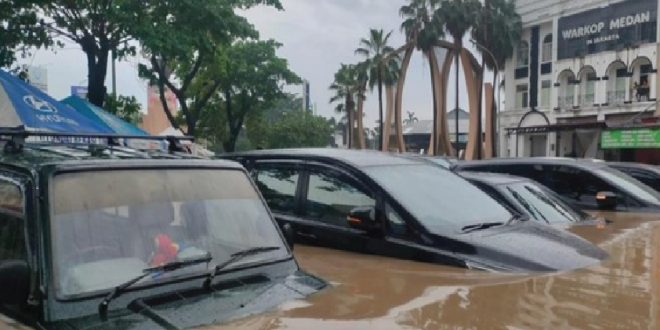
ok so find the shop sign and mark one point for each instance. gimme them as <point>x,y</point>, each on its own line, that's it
<point>606,28</point>
<point>630,139</point>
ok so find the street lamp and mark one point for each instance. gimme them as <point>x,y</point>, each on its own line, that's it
<point>497,68</point>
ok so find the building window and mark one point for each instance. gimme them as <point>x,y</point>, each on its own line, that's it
<point>522,55</point>
<point>521,96</point>
<point>546,88</point>
<point>546,51</point>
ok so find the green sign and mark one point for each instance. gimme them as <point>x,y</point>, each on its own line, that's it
<point>630,139</point>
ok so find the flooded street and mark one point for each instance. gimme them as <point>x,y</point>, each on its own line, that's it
<point>383,293</point>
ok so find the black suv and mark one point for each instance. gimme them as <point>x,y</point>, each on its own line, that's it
<point>407,208</point>
<point>588,184</point>
<point>95,237</point>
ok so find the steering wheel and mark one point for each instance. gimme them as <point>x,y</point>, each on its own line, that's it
<point>103,250</point>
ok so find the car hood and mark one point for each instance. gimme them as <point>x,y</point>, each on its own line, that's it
<point>178,312</point>
<point>529,246</point>
<point>370,292</point>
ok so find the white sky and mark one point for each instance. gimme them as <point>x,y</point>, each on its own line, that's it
<point>317,36</point>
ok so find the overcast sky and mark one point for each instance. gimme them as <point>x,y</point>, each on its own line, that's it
<point>317,36</point>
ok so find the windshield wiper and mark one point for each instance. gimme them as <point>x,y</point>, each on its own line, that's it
<point>168,267</point>
<point>236,257</point>
<point>481,226</point>
<point>531,208</point>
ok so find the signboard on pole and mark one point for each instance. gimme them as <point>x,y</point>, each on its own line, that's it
<point>80,91</point>
<point>641,138</point>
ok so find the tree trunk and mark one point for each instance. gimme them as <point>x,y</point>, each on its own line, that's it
<point>457,49</point>
<point>97,68</point>
<point>380,107</point>
<point>398,98</point>
<point>349,117</point>
<point>360,124</point>
<point>389,105</point>
<point>494,129</point>
<point>434,134</point>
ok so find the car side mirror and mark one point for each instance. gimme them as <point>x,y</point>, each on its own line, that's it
<point>364,218</point>
<point>606,200</point>
<point>287,230</point>
<point>14,282</point>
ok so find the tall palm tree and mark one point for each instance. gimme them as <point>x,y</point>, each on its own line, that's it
<point>458,17</point>
<point>375,48</point>
<point>423,28</point>
<point>411,118</point>
<point>343,88</point>
<point>499,31</point>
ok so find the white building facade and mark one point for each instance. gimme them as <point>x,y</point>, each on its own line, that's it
<point>581,64</point>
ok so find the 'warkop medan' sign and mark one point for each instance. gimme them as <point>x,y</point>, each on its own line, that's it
<point>607,28</point>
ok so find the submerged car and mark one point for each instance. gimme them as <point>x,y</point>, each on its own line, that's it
<point>645,173</point>
<point>532,199</point>
<point>112,238</point>
<point>587,184</point>
<point>378,203</point>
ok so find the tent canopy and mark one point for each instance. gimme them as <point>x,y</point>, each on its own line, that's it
<point>26,108</point>
<point>112,122</point>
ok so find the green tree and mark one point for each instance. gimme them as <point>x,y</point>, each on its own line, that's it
<point>251,83</point>
<point>343,89</point>
<point>375,48</point>
<point>187,43</point>
<point>411,118</point>
<point>99,27</point>
<point>19,29</point>
<point>125,107</point>
<point>294,131</point>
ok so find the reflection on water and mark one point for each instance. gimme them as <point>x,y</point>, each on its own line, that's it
<point>382,293</point>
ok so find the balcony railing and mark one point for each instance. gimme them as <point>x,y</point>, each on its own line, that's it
<point>565,102</point>
<point>586,100</point>
<point>616,97</point>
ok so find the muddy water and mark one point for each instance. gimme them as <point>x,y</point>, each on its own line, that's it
<point>381,293</point>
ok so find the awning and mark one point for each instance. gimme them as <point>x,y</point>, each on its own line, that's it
<point>557,128</point>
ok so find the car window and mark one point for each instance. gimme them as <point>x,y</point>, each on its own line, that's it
<point>574,183</point>
<point>634,187</point>
<point>277,184</point>
<point>12,235</point>
<point>541,204</point>
<point>161,216</point>
<point>438,198</point>
<point>649,177</point>
<point>396,226</point>
<point>331,196</point>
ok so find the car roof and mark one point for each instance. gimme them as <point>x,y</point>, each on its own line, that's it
<point>494,179</point>
<point>34,156</point>
<point>653,168</point>
<point>357,158</point>
<point>580,162</point>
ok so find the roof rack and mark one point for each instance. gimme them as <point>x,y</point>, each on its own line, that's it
<point>17,139</point>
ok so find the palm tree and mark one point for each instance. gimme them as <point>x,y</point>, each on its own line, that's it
<point>411,118</point>
<point>499,31</point>
<point>457,18</point>
<point>423,28</point>
<point>343,88</point>
<point>374,49</point>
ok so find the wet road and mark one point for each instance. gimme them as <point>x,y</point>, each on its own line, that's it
<point>380,293</point>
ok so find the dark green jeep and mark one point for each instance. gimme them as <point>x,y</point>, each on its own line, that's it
<point>95,237</point>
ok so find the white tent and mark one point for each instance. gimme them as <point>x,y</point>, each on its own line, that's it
<point>195,149</point>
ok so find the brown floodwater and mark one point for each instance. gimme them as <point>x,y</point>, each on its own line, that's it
<point>370,292</point>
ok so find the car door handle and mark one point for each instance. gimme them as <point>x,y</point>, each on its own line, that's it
<point>306,235</point>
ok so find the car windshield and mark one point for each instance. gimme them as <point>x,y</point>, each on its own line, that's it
<point>542,204</point>
<point>107,226</point>
<point>633,186</point>
<point>437,197</point>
